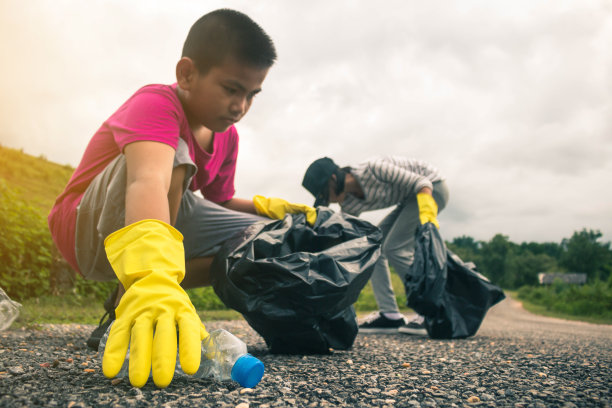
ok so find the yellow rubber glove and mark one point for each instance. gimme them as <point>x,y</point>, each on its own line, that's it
<point>149,259</point>
<point>276,208</point>
<point>428,209</point>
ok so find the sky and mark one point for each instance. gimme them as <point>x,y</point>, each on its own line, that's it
<point>511,101</point>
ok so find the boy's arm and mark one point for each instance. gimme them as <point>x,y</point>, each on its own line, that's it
<point>149,170</point>
<point>240,204</point>
<point>148,258</point>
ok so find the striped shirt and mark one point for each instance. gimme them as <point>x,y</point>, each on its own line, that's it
<point>388,181</point>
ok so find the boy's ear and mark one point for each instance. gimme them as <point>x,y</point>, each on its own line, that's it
<point>186,72</point>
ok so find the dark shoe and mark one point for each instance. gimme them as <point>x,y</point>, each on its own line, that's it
<point>414,327</point>
<point>94,338</point>
<point>378,323</point>
<point>109,306</point>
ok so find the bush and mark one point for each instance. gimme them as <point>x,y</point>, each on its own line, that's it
<point>205,299</point>
<point>25,247</point>
<point>26,254</point>
<point>592,300</point>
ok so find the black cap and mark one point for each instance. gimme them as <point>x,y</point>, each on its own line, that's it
<point>317,177</point>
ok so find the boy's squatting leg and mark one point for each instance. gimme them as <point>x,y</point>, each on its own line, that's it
<point>197,271</point>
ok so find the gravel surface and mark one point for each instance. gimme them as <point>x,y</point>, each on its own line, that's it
<point>516,359</point>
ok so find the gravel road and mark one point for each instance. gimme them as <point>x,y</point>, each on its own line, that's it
<point>517,359</point>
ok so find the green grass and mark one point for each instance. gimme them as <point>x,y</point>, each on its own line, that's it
<point>545,311</point>
<point>367,303</point>
<point>36,179</point>
<point>73,309</point>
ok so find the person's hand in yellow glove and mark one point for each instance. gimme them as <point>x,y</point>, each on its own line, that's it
<point>428,209</point>
<point>277,208</point>
<point>149,259</point>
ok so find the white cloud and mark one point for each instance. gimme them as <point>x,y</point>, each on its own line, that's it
<point>512,101</point>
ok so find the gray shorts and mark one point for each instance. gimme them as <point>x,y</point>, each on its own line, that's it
<point>205,225</point>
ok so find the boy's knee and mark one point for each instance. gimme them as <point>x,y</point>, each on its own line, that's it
<point>398,254</point>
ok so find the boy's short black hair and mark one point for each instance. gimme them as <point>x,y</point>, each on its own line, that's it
<point>224,32</point>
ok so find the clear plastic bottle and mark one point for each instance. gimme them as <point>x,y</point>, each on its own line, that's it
<point>224,357</point>
<point>9,310</point>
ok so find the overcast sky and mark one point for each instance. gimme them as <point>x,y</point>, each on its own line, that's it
<point>511,100</point>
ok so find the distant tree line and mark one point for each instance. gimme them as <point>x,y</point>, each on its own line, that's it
<point>512,265</point>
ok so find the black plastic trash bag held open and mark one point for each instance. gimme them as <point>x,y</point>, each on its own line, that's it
<point>296,284</point>
<point>451,295</point>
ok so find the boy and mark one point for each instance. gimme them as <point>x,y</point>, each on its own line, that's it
<point>418,192</point>
<point>136,181</point>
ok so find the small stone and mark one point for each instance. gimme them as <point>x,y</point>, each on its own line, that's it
<point>243,405</point>
<point>246,391</point>
<point>487,397</point>
<point>473,399</point>
<point>17,370</point>
<point>116,381</point>
<point>391,392</point>
<point>406,365</point>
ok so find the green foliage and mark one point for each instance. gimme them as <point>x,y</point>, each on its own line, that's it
<point>582,253</point>
<point>25,246</point>
<point>205,299</point>
<point>512,265</point>
<point>31,265</point>
<point>592,300</point>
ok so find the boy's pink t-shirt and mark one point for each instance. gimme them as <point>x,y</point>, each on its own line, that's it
<point>153,113</point>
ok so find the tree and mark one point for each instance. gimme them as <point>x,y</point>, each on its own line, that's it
<point>551,249</point>
<point>522,268</point>
<point>494,255</point>
<point>583,254</point>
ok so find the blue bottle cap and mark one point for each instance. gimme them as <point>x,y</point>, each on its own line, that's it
<point>247,371</point>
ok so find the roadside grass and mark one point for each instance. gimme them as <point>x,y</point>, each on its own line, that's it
<point>544,311</point>
<point>88,310</point>
<point>73,309</point>
<point>366,303</point>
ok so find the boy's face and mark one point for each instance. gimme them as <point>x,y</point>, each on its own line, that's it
<point>222,96</point>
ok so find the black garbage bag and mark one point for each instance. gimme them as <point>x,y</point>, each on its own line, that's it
<point>296,284</point>
<point>449,293</point>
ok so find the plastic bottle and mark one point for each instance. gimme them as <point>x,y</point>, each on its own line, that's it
<point>9,310</point>
<point>224,357</point>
